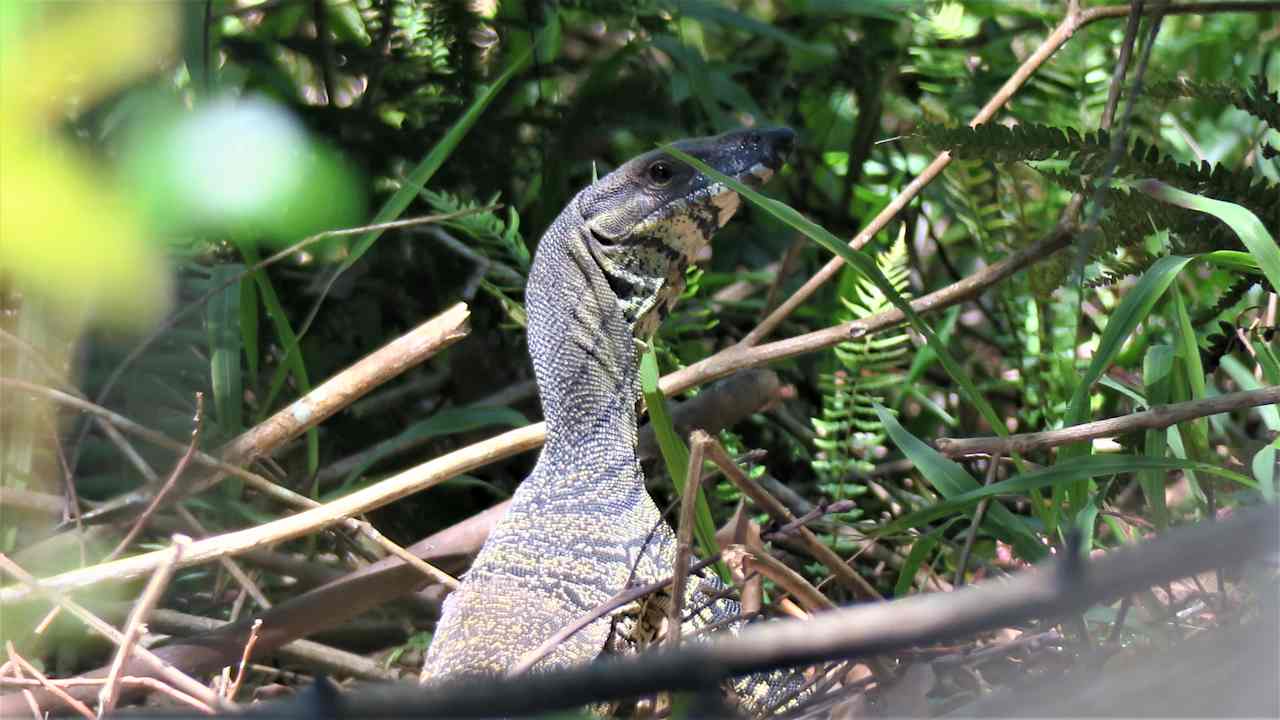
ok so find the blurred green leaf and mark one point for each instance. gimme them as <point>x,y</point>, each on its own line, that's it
<point>239,165</point>
<point>69,234</point>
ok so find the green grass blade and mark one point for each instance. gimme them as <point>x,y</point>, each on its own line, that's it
<point>951,481</point>
<point>1063,472</point>
<point>920,550</point>
<point>1157,367</point>
<point>864,264</point>
<point>1243,222</point>
<point>1263,464</point>
<point>249,328</point>
<point>675,454</point>
<point>1133,309</point>
<point>293,362</point>
<point>1264,470</point>
<point>1243,377</point>
<point>222,318</point>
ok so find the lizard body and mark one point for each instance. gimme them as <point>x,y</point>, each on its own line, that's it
<point>582,525</point>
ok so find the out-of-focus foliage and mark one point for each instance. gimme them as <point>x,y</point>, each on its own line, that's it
<point>67,232</point>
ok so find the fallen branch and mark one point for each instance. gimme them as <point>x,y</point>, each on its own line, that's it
<point>1052,590</point>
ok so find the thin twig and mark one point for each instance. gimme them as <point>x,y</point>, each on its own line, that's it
<point>1156,418</point>
<point>244,660</point>
<point>779,512</point>
<point>817,512</point>
<point>133,627</point>
<point>993,464</point>
<point>809,597</point>
<point>698,441</point>
<point>44,681</point>
<point>1122,65</point>
<point>427,569</point>
<point>125,681</point>
<point>163,669</point>
<point>229,564</point>
<point>145,516</point>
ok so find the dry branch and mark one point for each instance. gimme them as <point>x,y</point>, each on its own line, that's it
<point>698,443</point>
<point>150,660</point>
<point>1156,418</point>
<point>779,512</point>
<point>109,693</point>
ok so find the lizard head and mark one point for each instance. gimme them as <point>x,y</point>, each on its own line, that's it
<point>648,219</point>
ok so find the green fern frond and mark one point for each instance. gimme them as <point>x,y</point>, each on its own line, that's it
<point>498,239</point>
<point>971,190</point>
<point>1255,100</point>
<point>1130,217</point>
<point>848,429</point>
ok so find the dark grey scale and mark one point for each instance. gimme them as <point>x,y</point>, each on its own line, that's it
<point>582,524</point>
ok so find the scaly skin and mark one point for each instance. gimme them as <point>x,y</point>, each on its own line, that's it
<point>605,271</point>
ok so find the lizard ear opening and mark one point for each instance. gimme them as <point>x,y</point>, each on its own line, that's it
<point>601,240</point>
<point>609,228</point>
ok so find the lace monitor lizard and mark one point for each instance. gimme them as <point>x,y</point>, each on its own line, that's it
<point>582,525</point>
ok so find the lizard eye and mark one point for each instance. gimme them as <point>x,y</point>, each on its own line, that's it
<point>660,172</point>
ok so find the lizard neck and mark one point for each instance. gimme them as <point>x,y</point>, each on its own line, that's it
<point>584,359</point>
